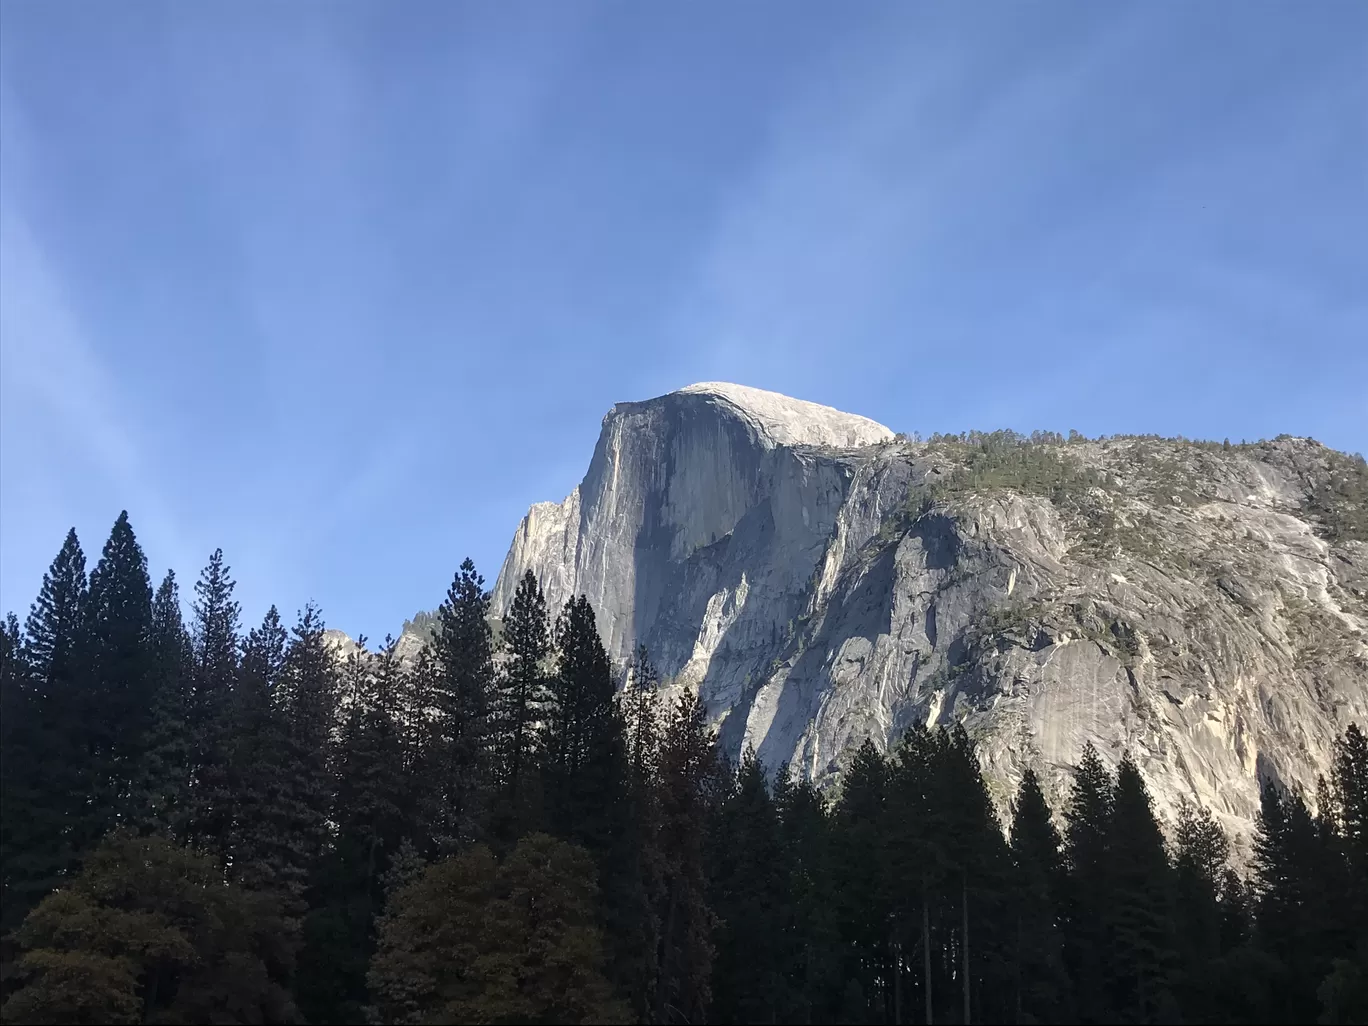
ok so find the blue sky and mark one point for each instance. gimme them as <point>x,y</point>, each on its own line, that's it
<point>344,287</point>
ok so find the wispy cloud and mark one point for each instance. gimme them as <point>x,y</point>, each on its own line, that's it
<point>867,172</point>
<point>63,409</point>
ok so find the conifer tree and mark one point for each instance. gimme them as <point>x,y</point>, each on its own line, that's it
<point>1040,984</point>
<point>44,769</point>
<point>54,630</point>
<point>463,648</point>
<point>585,749</point>
<point>750,897</point>
<point>688,788</point>
<point>309,694</point>
<point>257,743</point>
<point>1088,815</point>
<point>162,782</point>
<point>637,880</point>
<point>1286,859</point>
<point>815,986</point>
<point>1138,914</point>
<point>372,807</point>
<point>19,788</point>
<point>862,852</point>
<point>214,634</point>
<point>115,701</point>
<point>1201,854</point>
<point>521,700</point>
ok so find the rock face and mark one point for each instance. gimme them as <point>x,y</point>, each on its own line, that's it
<point>821,581</point>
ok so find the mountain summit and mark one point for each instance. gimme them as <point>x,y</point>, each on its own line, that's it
<point>1201,605</point>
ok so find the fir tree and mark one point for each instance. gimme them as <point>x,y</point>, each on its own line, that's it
<point>1138,913</point>
<point>861,862</point>
<point>815,985</point>
<point>44,769</point>
<point>463,647</point>
<point>637,880</point>
<point>688,787</point>
<point>520,702</point>
<point>19,787</point>
<point>585,751</point>
<point>1201,854</point>
<point>257,743</point>
<point>54,630</point>
<point>115,701</point>
<point>163,778</point>
<point>1088,815</point>
<point>750,897</point>
<point>309,692</point>
<point>373,810</point>
<point>214,633</point>
<point>1041,985</point>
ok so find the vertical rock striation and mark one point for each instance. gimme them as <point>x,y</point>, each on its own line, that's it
<point>821,581</point>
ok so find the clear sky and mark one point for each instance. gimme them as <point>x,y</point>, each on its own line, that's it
<point>344,287</point>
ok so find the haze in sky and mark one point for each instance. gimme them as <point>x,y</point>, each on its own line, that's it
<point>344,287</point>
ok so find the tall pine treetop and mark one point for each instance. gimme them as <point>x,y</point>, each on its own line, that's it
<point>56,619</point>
<point>216,624</point>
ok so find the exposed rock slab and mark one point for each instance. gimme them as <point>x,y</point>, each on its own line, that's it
<point>821,581</point>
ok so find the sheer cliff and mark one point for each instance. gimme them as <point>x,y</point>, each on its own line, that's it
<point>820,580</point>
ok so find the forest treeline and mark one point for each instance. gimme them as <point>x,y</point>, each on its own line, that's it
<point>202,824</point>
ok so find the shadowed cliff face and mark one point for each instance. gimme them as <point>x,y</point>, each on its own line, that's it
<point>820,582</point>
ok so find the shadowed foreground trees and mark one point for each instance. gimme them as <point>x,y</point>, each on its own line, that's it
<point>204,827</point>
<point>473,939</point>
<point>150,932</point>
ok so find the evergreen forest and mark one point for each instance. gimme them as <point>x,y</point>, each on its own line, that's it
<point>206,821</point>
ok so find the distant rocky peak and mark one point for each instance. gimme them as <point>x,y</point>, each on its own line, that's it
<point>781,420</point>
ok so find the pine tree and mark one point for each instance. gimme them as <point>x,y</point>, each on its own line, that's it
<point>115,701</point>
<point>521,700</point>
<point>54,630</point>
<point>1088,815</point>
<point>750,896</point>
<point>214,632</point>
<point>815,985</point>
<point>862,855</point>
<point>463,647</point>
<point>373,810</point>
<point>1201,854</point>
<point>638,876</point>
<point>688,787</point>
<point>1349,787</point>
<point>19,788</point>
<point>1139,912</point>
<point>1286,859</point>
<point>309,694</point>
<point>256,745</point>
<point>978,879</point>
<point>1344,992</point>
<point>162,783</point>
<point>1041,984</point>
<point>585,760</point>
<point>43,766</point>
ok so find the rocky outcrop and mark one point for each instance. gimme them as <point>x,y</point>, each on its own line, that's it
<point>821,581</point>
